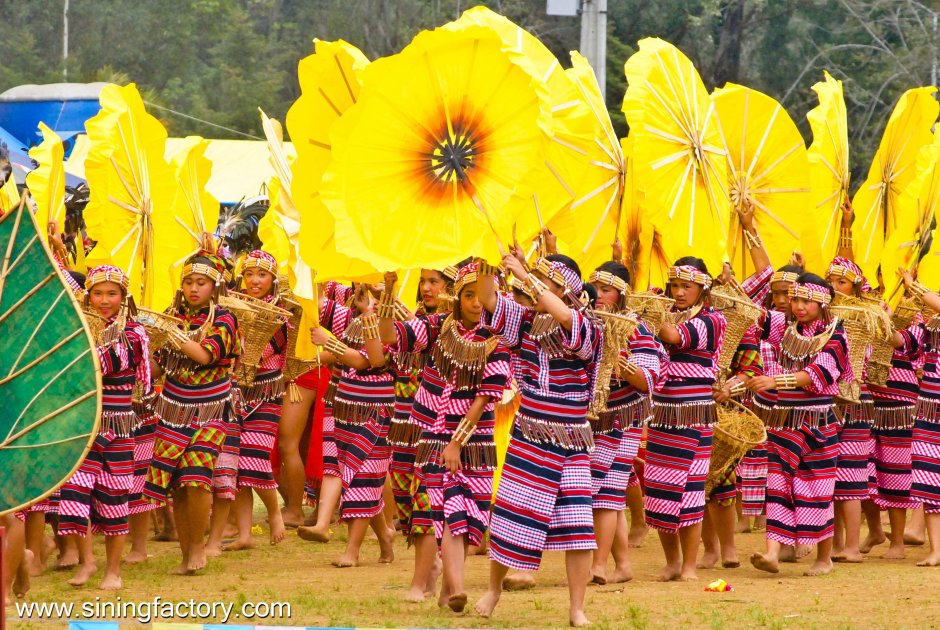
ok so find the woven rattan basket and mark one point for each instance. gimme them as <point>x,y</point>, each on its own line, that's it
<point>738,430</point>
<point>258,321</point>
<point>740,313</point>
<point>294,367</point>
<point>158,326</point>
<point>650,307</point>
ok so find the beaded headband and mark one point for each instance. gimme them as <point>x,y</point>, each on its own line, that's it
<point>107,273</point>
<point>450,272</point>
<point>690,274</point>
<point>605,277</point>
<point>260,259</point>
<point>784,276</point>
<point>812,292</point>
<point>203,269</point>
<point>560,274</point>
<point>466,275</point>
<point>842,267</point>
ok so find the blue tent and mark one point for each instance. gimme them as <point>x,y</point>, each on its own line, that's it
<point>64,107</point>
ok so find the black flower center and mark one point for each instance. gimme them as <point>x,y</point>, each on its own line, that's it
<point>452,157</point>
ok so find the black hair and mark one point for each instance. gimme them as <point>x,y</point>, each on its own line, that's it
<point>811,278</point>
<point>566,261</point>
<point>78,277</point>
<point>617,269</point>
<point>692,261</point>
<point>591,291</point>
<point>791,269</point>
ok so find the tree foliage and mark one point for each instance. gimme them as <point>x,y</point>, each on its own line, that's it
<point>219,60</point>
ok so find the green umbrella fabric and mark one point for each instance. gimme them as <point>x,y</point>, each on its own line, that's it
<point>50,379</point>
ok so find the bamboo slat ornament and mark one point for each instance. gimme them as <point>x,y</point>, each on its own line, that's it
<point>865,320</point>
<point>461,361</point>
<point>650,307</point>
<point>741,313</point>
<point>618,328</point>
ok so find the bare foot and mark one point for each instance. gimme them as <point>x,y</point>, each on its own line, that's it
<point>487,604</point>
<point>111,583</point>
<point>21,584</point>
<point>598,576</point>
<point>762,563</point>
<point>933,560</point>
<point>239,545</point>
<point>213,551</point>
<point>521,581</point>
<point>913,540</point>
<point>198,559</point>
<point>620,575</point>
<point>67,560</point>
<point>804,550</point>
<point>229,531</point>
<point>671,573</point>
<point>346,560</point>
<point>443,597</point>
<point>85,571</point>
<point>894,553</point>
<point>292,519</point>
<point>311,519</point>
<point>415,595</point>
<point>787,554</point>
<point>743,526</point>
<point>277,527</point>
<point>312,534</point>
<point>36,565</point>
<point>731,562</point>
<point>846,556</point>
<point>457,602</point>
<point>688,575</point>
<point>577,619</point>
<point>431,584</point>
<point>871,541</point>
<point>760,523</point>
<point>708,561</point>
<point>637,535</point>
<point>387,547</point>
<point>482,550</point>
<point>820,567</point>
<point>136,557</point>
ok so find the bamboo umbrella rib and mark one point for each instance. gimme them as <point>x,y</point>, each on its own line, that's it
<point>561,107</point>
<point>83,436</point>
<point>607,166</point>
<point>46,418</point>
<point>687,142</point>
<point>601,120</point>
<point>326,98</point>
<point>26,248</point>
<point>687,130</point>
<point>615,193</point>
<point>587,197</point>
<point>681,183</point>
<point>29,294</point>
<point>45,355</point>
<point>561,180</point>
<point>42,390</point>
<point>615,158</point>
<point>769,213</point>
<point>570,146</point>
<point>36,330</point>
<point>760,146</point>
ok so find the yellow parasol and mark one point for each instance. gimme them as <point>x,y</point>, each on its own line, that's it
<point>677,152</point>
<point>564,176</point>
<point>271,231</point>
<point>46,182</point>
<point>829,170</point>
<point>194,208</point>
<point>329,84</point>
<point>442,136</point>
<point>132,190</point>
<point>916,210</point>
<point>892,169</point>
<point>767,170</point>
<point>9,196</point>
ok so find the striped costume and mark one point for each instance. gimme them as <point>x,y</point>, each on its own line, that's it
<point>802,435</point>
<point>460,500</point>
<point>98,492</point>
<point>195,408</point>
<point>893,423</point>
<point>679,439</point>
<point>334,317</point>
<point>617,432</point>
<point>261,408</point>
<point>925,440</point>
<point>747,362</point>
<point>544,499</point>
<point>362,408</point>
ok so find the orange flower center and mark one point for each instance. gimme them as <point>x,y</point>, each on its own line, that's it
<point>451,157</point>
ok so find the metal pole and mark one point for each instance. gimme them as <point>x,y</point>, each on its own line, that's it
<point>594,38</point>
<point>65,40</point>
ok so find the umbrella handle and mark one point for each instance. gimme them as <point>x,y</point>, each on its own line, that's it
<point>499,241</point>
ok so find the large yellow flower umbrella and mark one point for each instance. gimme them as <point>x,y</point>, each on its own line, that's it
<point>194,208</point>
<point>562,199</point>
<point>329,83</point>
<point>892,169</point>
<point>767,170</point>
<point>442,136</point>
<point>829,170</point>
<point>132,187</point>
<point>916,210</point>
<point>46,182</point>
<point>678,152</point>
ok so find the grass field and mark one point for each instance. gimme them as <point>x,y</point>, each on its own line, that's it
<point>876,594</point>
